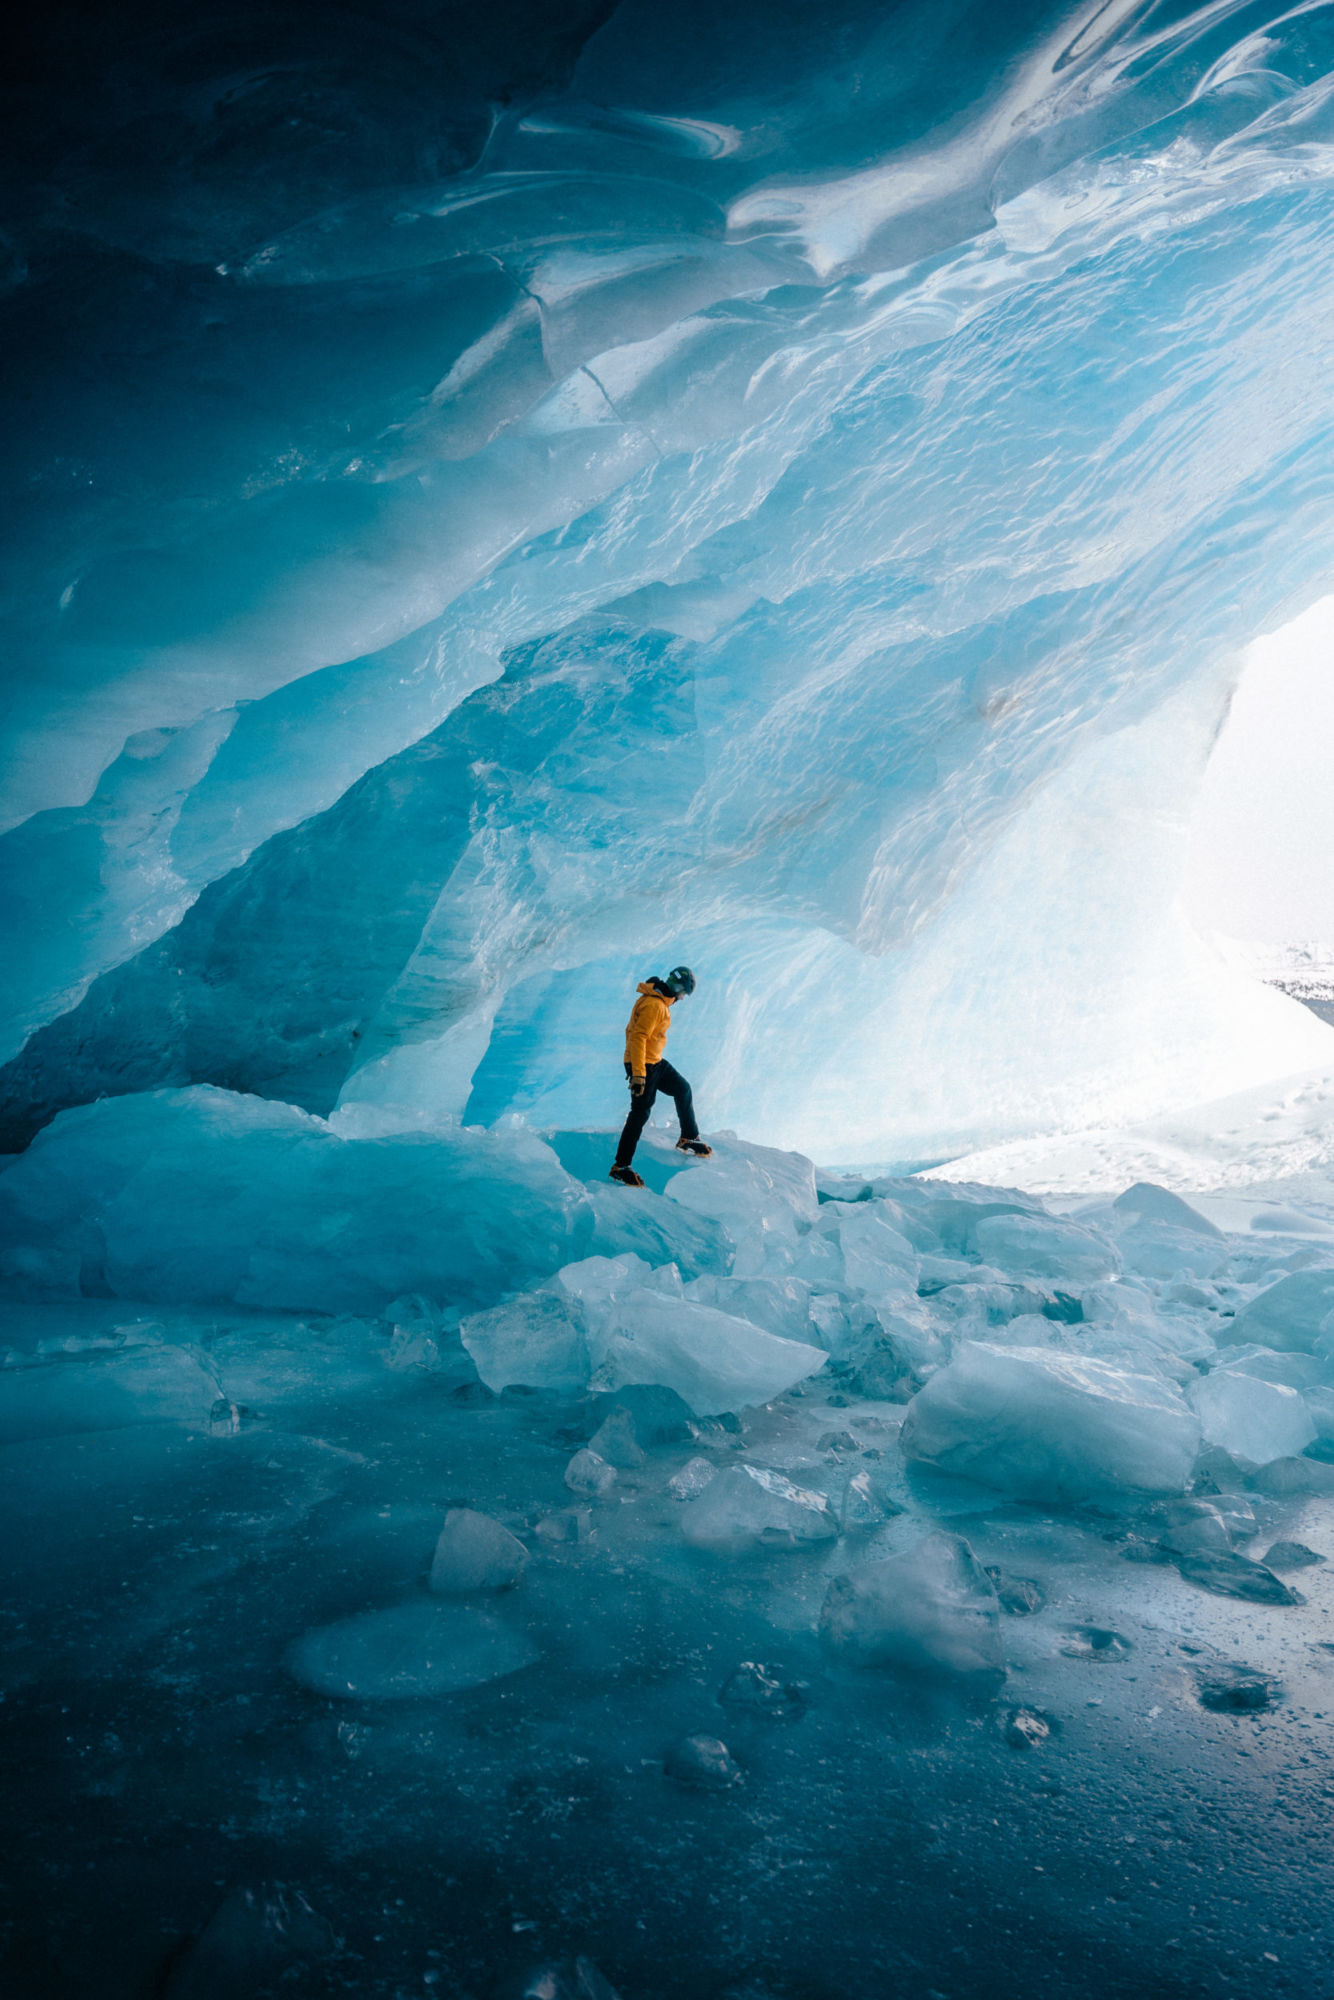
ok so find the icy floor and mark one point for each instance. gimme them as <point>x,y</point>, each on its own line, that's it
<point>198,1495</point>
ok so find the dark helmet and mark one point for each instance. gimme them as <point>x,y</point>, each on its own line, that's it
<point>680,980</point>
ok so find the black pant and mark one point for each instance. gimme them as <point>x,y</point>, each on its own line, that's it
<point>657,1076</point>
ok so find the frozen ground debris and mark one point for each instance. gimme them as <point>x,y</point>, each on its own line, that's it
<point>961,1546</point>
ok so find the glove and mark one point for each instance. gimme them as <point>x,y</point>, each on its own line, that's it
<point>638,1085</point>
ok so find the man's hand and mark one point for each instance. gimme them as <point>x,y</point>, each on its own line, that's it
<point>637,1086</point>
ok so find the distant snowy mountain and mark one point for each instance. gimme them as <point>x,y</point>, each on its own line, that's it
<point>1303,969</point>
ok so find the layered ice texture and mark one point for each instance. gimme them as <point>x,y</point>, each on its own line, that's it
<point>505,500</point>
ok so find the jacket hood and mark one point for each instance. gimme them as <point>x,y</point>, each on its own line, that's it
<point>656,990</point>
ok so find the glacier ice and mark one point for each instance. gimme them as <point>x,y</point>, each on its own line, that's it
<point>615,453</point>
<point>1252,1420</point>
<point>1051,1425</point>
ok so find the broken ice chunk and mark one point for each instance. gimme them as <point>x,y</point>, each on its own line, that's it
<point>1157,1250</point>
<point>590,1475</point>
<point>932,1607</point>
<point>1252,1420</point>
<point>758,1194</point>
<point>1095,1642</point>
<point>779,1305</point>
<point>1290,1555</point>
<point>756,1690</point>
<point>1320,1402</point>
<point>704,1764</point>
<point>1232,1689</point>
<point>1045,1246</point>
<point>408,1651</point>
<point>1018,1596</point>
<point>538,1339</point>
<point>746,1505</point>
<point>615,1441</point>
<point>692,1478</point>
<point>1049,1425</point>
<point>475,1553</point>
<point>865,1502</point>
<point>1193,1527</point>
<point>713,1361</point>
<point>1026,1729</point>
<point>1237,1576</point>
<point>660,1416</point>
<point>1299,1371</point>
<point>1287,1316</point>
<point>568,1524</point>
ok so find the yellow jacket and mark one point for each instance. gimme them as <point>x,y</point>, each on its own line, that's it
<point>646,1030</point>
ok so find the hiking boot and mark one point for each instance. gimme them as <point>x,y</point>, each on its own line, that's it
<point>626,1176</point>
<point>695,1146</point>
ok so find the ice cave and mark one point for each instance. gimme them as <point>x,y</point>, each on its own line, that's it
<point>504,501</point>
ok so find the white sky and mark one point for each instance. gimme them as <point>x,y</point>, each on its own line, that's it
<point>1261,858</point>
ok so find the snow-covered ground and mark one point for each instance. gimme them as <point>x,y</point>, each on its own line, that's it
<point>884,1601</point>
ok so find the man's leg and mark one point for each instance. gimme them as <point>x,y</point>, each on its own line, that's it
<point>639,1110</point>
<point>672,1081</point>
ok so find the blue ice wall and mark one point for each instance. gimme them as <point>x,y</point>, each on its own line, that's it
<point>505,499</point>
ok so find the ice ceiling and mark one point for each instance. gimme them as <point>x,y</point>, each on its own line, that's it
<point>508,497</point>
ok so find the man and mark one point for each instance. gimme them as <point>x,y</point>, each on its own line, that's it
<point>647,1073</point>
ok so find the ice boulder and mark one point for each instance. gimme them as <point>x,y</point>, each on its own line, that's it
<point>1048,1425</point>
<point>1045,1246</point>
<point>1254,1421</point>
<point>475,1553</point>
<point>690,1480</point>
<point>712,1360</point>
<point>615,1442</point>
<point>1158,1250</point>
<point>589,1475</point>
<point>932,1608</point>
<point>1298,1371</point>
<point>746,1505</point>
<point>539,1339</point>
<point>855,1246</point>
<point>779,1305</point>
<point>1288,1315</point>
<point>202,1195</point>
<point>759,1195</point>
<point>610,1323</point>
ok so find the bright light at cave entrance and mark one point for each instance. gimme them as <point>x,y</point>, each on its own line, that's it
<point>1263,834</point>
